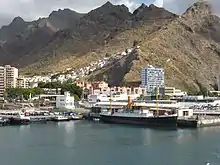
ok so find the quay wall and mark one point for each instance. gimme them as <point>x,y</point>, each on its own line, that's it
<point>200,122</point>
<point>208,122</point>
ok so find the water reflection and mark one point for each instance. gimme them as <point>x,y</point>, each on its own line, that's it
<point>186,134</point>
<point>146,135</point>
<point>69,127</point>
<point>69,136</point>
<point>23,128</point>
<point>61,124</point>
<point>205,130</point>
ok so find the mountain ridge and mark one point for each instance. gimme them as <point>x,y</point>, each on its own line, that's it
<point>191,41</point>
<point>99,26</point>
<point>194,56</point>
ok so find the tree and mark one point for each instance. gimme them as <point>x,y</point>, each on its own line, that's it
<point>41,84</point>
<point>69,81</point>
<point>50,85</point>
<point>18,93</point>
<point>73,89</point>
<point>65,86</point>
<point>202,90</point>
<point>107,55</point>
<point>135,43</point>
<point>38,91</point>
<point>215,86</point>
<point>14,93</point>
<point>76,97</point>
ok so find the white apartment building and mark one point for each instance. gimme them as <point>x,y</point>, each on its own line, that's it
<point>65,101</point>
<point>11,74</point>
<point>8,78</point>
<point>23,82</point>
<point>2,82</point>
<point>151,78</point>
<point>174,93</point>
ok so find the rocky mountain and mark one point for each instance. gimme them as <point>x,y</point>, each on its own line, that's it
<point>190,42</point>
<point>57,20</point>
<point>17,26</point>
<point>147,14</point>
<point>66,34</point>
<point>64,19</point>
<point>67,39</point>
<point>23,42</point>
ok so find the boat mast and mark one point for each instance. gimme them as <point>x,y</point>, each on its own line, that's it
<point>110,100</point>
<point>157,101</point>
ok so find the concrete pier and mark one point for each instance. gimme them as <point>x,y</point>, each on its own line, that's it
<point>205,121</point>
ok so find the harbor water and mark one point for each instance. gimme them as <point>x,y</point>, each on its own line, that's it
<point>88,143</point>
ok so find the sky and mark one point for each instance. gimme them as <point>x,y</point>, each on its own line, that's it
<point>33,9</point>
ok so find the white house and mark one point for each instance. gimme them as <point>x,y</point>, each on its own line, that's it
<point>98,98</point>
<point>185,113</point>
<point>65,101</point>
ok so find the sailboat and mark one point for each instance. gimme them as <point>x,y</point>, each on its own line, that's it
<point>136,115</point>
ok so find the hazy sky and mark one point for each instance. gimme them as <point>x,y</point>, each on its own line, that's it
<point>33,9</point>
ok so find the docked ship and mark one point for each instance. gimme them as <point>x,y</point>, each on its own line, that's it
<point>118,106</point>
<point>19,119</point>
<point>137,115</point>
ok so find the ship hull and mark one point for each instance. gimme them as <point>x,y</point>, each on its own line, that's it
<point>165,121</point>
<point>60,120</point>
<point>19,121</point>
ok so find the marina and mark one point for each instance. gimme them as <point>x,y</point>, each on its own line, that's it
<point>22,117</point>
<point>126,82</point>
<point>91,143</point>
<point>130,111</point>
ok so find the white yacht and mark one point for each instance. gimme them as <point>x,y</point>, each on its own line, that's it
<point>61,118</point>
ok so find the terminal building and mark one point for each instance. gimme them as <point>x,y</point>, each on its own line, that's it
<point>65,102</point>
<point>23,82</point>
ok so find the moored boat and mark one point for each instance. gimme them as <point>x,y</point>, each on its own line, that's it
<point>75,117</point>
<point>4,121</point>
<point>38,120</point>
<point>139,115</point>
<point>145,118</point>
<point>20,119</point>
<point>61,118</point>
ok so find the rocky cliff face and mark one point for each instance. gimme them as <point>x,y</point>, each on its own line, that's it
<point>17,26</point>
<point>191,44</point>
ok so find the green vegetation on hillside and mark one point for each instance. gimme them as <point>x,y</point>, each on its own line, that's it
<point>18,93</point>
<point>66,86</point>
<point>21,93</point>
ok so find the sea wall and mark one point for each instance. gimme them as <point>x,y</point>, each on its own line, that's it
<point>209,122</point>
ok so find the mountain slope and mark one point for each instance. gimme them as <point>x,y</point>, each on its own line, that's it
<point>17,26</point>
<point>89,33</point>
<point>64,19</point>
<point>190,41</point>
<point>24,42</point>
<point>190,44</point>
